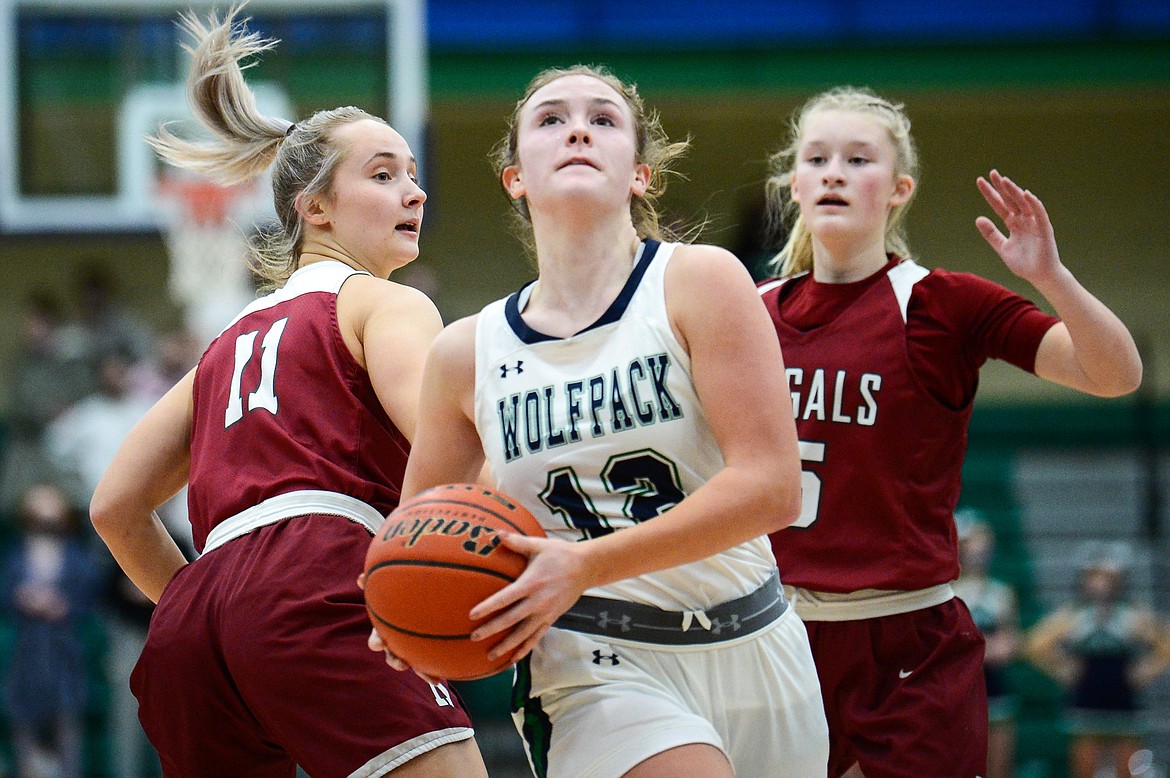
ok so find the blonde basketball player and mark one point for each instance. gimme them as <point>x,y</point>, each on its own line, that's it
<point>883,358</point>
<point>292,434</point>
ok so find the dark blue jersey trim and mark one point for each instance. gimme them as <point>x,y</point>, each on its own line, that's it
<point>618,307</point>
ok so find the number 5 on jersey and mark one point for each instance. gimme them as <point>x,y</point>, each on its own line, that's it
<point>265,394</point>
<point>810,483</point>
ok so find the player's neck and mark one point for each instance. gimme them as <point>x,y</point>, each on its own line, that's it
<point>580,276</point>
<point>577,264</point>
<point>322,251</point>
<point>844,264</point>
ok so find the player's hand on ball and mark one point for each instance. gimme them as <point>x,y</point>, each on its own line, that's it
<point>375,644</point>
<point>554,579</point>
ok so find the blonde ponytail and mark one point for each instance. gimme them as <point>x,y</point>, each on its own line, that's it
<point>245,143</point>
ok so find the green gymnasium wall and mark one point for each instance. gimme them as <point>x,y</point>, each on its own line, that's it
<point>1087,127</point>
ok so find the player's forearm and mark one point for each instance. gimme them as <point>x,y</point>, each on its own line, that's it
<point>143,548</point>
<point>1103,348</point>
<point>735,506</point>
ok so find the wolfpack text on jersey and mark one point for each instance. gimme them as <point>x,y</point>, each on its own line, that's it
<point>603,429</point>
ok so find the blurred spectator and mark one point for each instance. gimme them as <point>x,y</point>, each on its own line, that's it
<point>83,439</point>
<point>992,603</point>
<point>175,354</point>
<point>48,580</point>
<point>102,323</point>
<point>42,380</point>
<point>1105,651</point>
<point>127,618</point>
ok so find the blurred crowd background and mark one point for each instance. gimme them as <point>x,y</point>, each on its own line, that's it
<point>1064,511</point>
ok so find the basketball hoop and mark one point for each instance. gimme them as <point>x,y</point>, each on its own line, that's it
<point>203,202</point>
<point>204,225</point>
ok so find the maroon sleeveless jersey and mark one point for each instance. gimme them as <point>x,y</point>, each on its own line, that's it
<point>882,459</point>
<point>281,405</point>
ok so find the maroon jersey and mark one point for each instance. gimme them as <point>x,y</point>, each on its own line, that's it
<point>281,405</point>
<point>882,373</point>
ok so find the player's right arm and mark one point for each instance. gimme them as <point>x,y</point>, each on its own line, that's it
<point>446,448</point>
<point>149,468</point>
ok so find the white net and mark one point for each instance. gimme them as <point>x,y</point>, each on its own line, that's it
<point>206,236</point>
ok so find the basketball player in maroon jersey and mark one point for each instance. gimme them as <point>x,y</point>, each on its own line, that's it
<point>882,357</point>
<point>293,433</point>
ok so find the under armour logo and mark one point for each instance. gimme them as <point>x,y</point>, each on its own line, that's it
<point>605,622</point>
<point>518,368</point>
<point>718,625</point>
<point>598,658</point>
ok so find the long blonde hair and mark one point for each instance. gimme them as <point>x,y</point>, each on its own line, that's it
<point>244,143</point>
<point>797,254</point>
<point>652,147</point>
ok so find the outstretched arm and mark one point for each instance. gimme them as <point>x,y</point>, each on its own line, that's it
<point>1091,350</point>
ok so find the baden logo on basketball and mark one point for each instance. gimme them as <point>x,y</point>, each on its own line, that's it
<point>481,540</point>
<point>435,558</point>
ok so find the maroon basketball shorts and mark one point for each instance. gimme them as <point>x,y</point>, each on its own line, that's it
<point>256,661</point>
<point>904,694</point>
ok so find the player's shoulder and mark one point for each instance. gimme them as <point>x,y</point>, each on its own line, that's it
<point>944,280</point>
<point>368,296</point>
<point>701,266</point>
<point>456,343</point>
<point>387,290</point>
<point>950,292</point>
<point>703,255</point>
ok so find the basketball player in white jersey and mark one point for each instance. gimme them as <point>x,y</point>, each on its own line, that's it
<point>629,397</point>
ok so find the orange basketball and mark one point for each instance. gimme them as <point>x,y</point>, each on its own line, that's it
<point>435,558</point>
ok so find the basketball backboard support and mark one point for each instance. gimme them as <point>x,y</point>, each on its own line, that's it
<point>129,207</point>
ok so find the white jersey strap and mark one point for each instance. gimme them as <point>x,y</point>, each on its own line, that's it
<point>864,604</point>
<point>284,506</point>
<point>767,286</point>
<point>903,277</point>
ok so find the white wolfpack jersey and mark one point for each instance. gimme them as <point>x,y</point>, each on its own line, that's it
<point>599,431</point>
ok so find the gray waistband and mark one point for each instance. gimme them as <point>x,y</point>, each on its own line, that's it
<point>647,624</point>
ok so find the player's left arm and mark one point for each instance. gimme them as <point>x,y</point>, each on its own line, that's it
<point>447,448</point>
<point>149,468</point>
<point>1090,349</point>
<point>395,326</point>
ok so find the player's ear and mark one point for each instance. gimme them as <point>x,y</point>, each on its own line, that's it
<point>510,178</point>
<point>641,180</point>
<point>793,192</point>
<point>312,209</point>
<point>903,189</point>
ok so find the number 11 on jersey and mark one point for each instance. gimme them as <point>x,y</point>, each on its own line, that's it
<point>265,394</point>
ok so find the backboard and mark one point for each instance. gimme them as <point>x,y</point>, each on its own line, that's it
<point>83,80</point>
